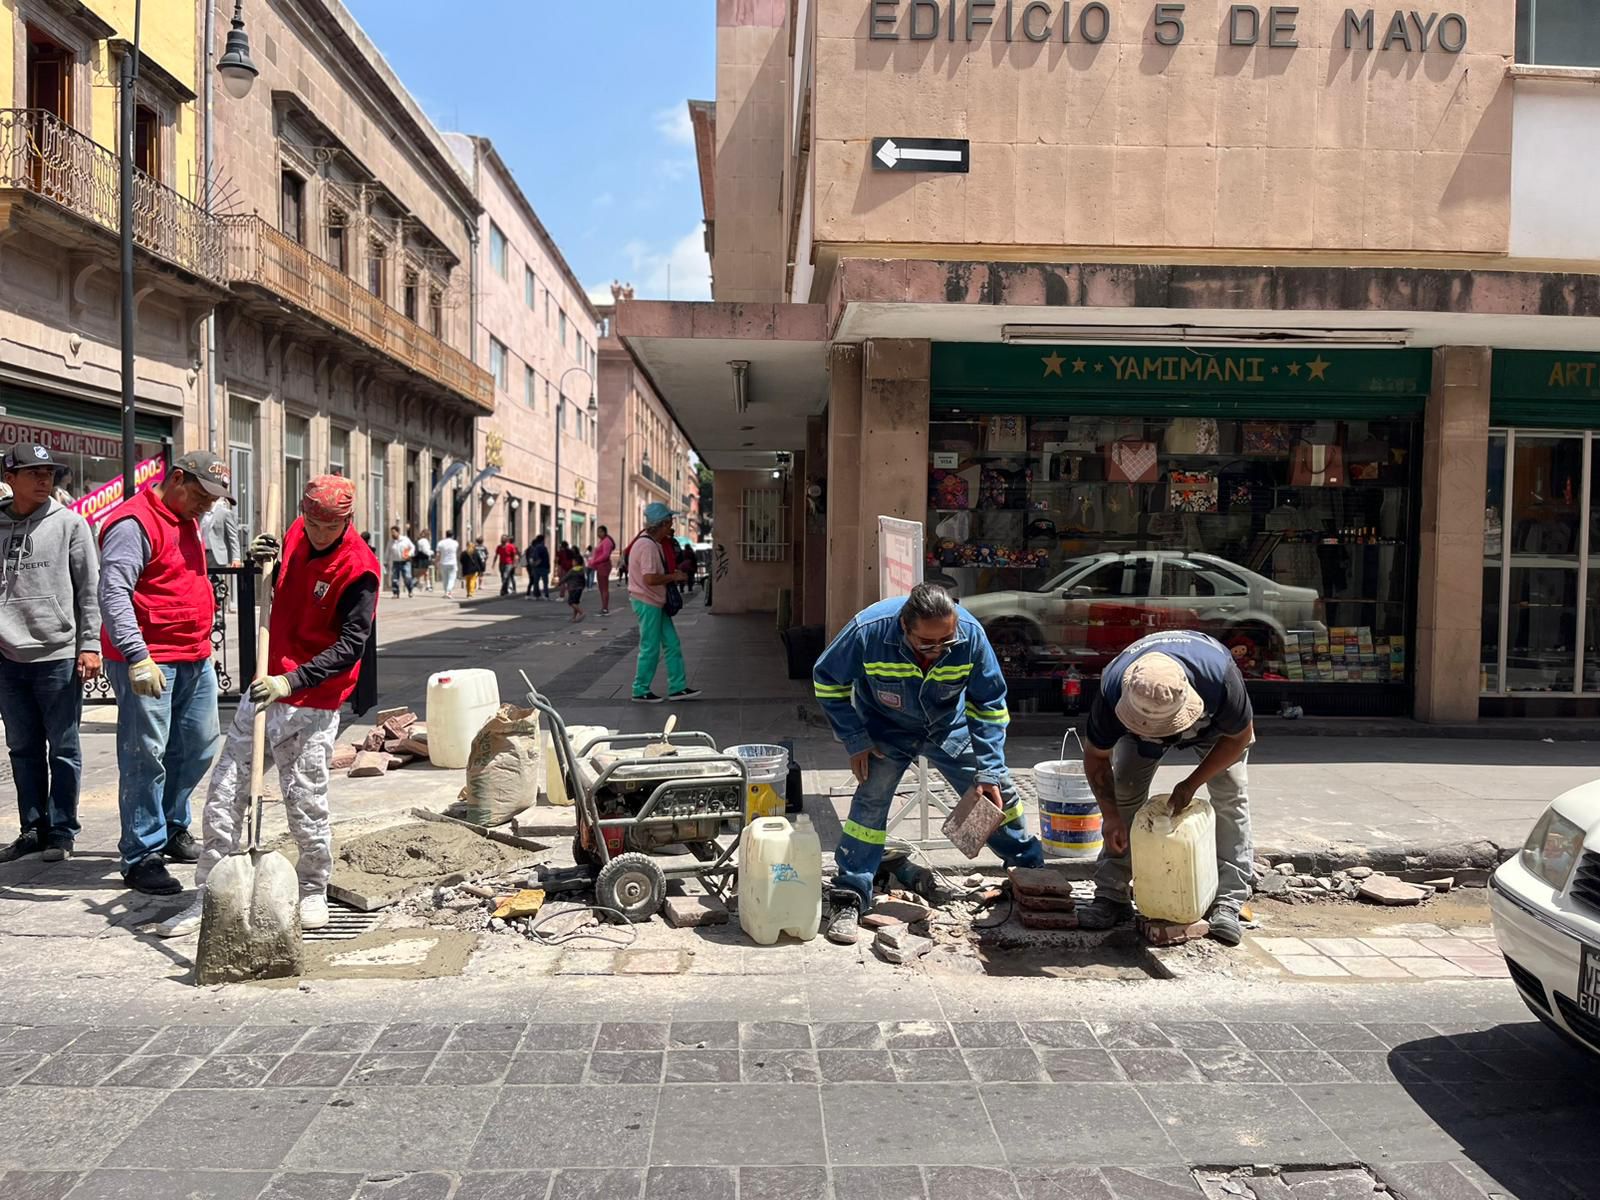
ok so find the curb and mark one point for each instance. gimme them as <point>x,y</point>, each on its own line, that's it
<point>1470,862</point>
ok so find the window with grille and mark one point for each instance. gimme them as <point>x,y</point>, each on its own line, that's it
<point>338,451</point>
<point>296,436</point>
<point>763,517</point>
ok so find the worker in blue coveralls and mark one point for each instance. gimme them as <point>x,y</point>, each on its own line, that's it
<point>906,679</point>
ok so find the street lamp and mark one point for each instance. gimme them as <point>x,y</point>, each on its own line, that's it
<point>561,422</point>
<point>238,73</point>
<point>622,480</point>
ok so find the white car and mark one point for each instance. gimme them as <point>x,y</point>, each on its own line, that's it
<point>1546,905</point>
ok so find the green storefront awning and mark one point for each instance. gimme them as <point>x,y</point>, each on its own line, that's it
<point>1549,389</point>
<point>1161,381</point>
<point>27,406</point>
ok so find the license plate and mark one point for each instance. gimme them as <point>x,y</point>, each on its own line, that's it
<point>1589,982</point>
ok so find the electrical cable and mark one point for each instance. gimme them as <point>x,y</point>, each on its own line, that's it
<point>583,931</point>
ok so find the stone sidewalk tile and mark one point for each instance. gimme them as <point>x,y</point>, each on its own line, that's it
<point>1450,947</point>
<point>1157,1066</point>
<point>848,1035</point>
<point>1397,947</point>
<point>138,1184</point>
<point>38,1185</point>
<point>395,1129</point>
<point>486,1035</point>
<point>498,1185</point>
<point>937,1064</point>
<point>1199,1035</point>
<point>1343,1035</point>
<point>588,1183</point>
<point>1080,1066</point>
<point>889,1125</point>
<point>233,1071</point>
<point>1130,1035</point>
<point>153,1071</point>
<point>350,1037</point>
<point>1433,968</point>
<point>775,1035</point>
<point>969,1183</point>
<point>112,1040</point>
<point>778,1066</point>
<point>701,1066</point>
<point>917,1035</point>
<point>73,1070</point>
<point>855,1066</point>
<point>246,1130</point>
<point>783,1183</point>
<point>568,1127</point>
<point>705,1035</point>
<point>974,1035</point>
<point>1283,945</point>
<point>303,1069</point>
<point>1375,967</point>
<point>1222,1121</point>
<point>631,1035</point>
<point>546,1066</point>
<point>561,1036</point>
<point>778,1124</point>
<point>1484,966</point>
<point>625,1066</point>
<point>1270,1035</point>
<point>1341,947</point>
<point>1312,966</point>
<point>1061,1035</point>
<point>1488,946</point>
<point>65,1128</point>
<point>1056,1124</point>
<point>470,1068</point>
<point>690,1183</point>
<point>879,1183</point>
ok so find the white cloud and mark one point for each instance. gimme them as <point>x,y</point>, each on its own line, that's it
<point>679,272</point>
<point>674,125</point>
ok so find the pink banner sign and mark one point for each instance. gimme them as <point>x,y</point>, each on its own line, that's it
<point>100,501</point>
<point>59,440</point>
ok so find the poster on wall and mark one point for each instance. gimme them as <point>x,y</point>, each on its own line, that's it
<point>899,556</point>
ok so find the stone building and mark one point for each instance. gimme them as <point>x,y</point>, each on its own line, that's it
<point>1281,323</point>
<point>537,333</point>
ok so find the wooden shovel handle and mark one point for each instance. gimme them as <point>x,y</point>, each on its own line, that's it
<point>258,747</point>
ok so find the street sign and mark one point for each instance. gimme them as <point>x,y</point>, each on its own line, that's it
<point>899,556</point>
<point>922,154</point>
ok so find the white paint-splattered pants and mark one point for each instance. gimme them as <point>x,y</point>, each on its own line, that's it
<point>301,742</point>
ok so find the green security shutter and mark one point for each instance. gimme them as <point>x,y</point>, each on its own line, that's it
<point>1548,389</point>
<point>62,412</point>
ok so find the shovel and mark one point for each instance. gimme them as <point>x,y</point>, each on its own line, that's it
<point>250,919</point>
<point>664,747</point>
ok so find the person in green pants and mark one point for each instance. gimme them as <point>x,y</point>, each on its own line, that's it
<point>652,589</point>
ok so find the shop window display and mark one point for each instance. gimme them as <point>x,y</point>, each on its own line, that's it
<point>1070,537</point>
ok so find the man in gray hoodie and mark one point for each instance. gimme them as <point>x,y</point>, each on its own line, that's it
<point>49,647</point>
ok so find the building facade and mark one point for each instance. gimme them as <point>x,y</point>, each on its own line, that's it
<point>538,334</point>
<point>1279,323</point>
<point>644,457</point>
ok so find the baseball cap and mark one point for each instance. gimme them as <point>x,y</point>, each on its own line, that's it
<point>656,512</point>
<point>1157,699</point>
<point>208,470</point>
<point>28,454</point>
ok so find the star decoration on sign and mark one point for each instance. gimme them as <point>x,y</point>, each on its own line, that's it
<point>1274,370</point>
<point>1078,365</point>
<point>1052,364</point>
<point>1318,367</point>
<point>1098,367</point>
<point>1294,369</point>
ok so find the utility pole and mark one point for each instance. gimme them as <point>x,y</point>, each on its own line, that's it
<point>128,75</point>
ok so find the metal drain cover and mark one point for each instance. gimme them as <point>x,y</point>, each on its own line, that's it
<point>1343,1181</point>
<point>343,924</point>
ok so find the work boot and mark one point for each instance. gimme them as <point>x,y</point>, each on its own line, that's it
<point>1224,921</point>
<point>313,912</point>
<point>185,922</point>
<point>844,923</point>
<point>27,844</point>
<point>57,850</point>
<point>150,876</point>
<point>1104,913</point>
<point>181,847</point>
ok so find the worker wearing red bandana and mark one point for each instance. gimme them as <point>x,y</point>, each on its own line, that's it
<point>324,606</point>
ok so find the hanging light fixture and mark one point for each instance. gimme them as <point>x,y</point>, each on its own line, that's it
<point>236,67</point>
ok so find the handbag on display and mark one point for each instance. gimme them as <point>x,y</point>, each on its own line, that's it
<point>1006,435</point>
<point>1266,437</point>
<point>1131,462</point>
<point>1192,435</point>
<point>1192,491</point>
<point>1317,465</point>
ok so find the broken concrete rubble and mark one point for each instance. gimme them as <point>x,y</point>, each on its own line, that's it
<point>691,912</point>
<point>1170,933</point>
<point>1382,889</point>
<point>903,952</point>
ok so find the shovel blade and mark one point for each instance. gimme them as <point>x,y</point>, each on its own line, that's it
<point>250,920</point>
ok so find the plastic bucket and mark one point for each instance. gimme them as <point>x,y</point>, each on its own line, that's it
<point>1069,815</point>
<point>768,770</point>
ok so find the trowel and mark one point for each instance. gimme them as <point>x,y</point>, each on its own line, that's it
<point>664,747</point>
<point>250,918</point>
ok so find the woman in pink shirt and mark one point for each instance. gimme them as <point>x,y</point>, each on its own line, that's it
<point>600,564</point>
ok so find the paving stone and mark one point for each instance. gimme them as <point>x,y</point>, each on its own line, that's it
<point>1219,1120</point>
<point>1199,1035</point>
<point>632,1035</point>
<point>153,1071</point>
<point>974,1035</point>
<point>689,1183</point>
<point>1385,1121</point>
<point>842,1035</point>
<point>888,1124</point>
<point>778,1066</point>
<point>37,1185</point>
<point>351,1037</point>
<point>562,1036</point>
<point>1427,1181</point>
<point>855,1066</point>
<point>245,1130</point>
<point>1080,1066</point>
<point>778,1125</point>
<point>1270,1035</point>
<point>16,1067</point>
<point>693,912</point>
<point>1063,1035</point>
<point>1284,945</point>
<point>44,1038</point>
<point>1075,1124</point>
<point>1433,968</point>
<point>590,1184</point>
<point>930,1066</point>
<point>881,921</point>
<point>1062,1183</point>
<point>470,1068</point>
<point>233,1071</point>
<point>191,1185</point>
<point>1373,967</point>
<point>312,1185</point>
<point>484,1035</point>
<point>703,1035</point>
<point>1340,947</point>
<point>1130,1035</point>
<point>702,1066</point>
<point>917,1035</point>
<point>1366,1066</point>
<point>1447,1066</point>
<point>397,1069</point>
<point>1151,1183</point>
<point>263,1039</point>
<point>394,1129</point>
<point>1387,890</point>
<point>1157,1066</point>
<point>624,1066</point>
<point>1484,966</point>
<point>1305,1066</point>
<point>121,1040</point>
<point>1341,1036</point>
<point>1312,966</point>
<point>879,1183</point>
<point>775,1035</point>
<point>64,1128</point>
<point>413,1037</point>
<point>73,1070</point>
<point>547,1066</point>
<point>1397,947</point>
<point>502,1185</point>
<point>576,1127</point>
<point>901,910</point>
<point>413,1185</point>
<point>969,1183</point>
<point>1235,1065</point>
<point>1040,881</point>
<point>783,1183</point>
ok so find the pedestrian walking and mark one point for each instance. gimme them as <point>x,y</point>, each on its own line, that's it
<point>473,561</point>
<point>905,679</point>
<point>537,560</point>
<point>401,550</point>
<point>1171,690</point>
<point>156,609</point>
<point>325,600</point>
<point>422,562</point>
<point>687,560</point>
<point>570,569</point>
<point>588,565</point>
<point>653,593</point>
<point>600,568</point>
<point>506,554</point>
<point>49,648</point>
<point>449,554</point>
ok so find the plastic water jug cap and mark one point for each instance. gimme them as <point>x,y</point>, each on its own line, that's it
<point>801,821</point>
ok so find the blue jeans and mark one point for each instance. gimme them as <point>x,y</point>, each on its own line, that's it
<point>866,830</point>
<point>165,745</point>
<point>401,571</point>
<point>41,704</point>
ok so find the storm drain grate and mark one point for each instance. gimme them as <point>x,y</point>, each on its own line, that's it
<point>344,923</point>
<point>1337,1181</point>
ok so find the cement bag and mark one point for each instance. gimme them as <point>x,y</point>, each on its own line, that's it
<point>505,769</point>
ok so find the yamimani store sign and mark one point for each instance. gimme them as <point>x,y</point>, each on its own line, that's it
<point>1277,26</point>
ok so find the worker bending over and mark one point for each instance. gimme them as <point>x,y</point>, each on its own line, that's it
<point>906,679</point>
<point>324,605</point>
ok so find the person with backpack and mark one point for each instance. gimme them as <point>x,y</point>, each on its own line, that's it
<point>473,560</point>
<point>653,591</point>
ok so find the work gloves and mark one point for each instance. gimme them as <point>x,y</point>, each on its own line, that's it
<point>264,548</point>
<point>146,678</point>
<point>270,688</point>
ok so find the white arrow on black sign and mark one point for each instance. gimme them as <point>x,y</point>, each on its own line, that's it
<point>921,154</point>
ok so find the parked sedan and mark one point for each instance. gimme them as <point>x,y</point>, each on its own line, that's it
<point>1546,904</point>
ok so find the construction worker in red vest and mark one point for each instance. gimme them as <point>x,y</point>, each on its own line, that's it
<point>157,606</point>
<point>324,605</point>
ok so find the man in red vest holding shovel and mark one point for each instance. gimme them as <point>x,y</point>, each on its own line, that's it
<point>157,606</point>
<point>324,604</point>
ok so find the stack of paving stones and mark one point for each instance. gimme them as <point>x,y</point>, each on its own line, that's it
<point>1068,1109</point>
<point>1043,897</point>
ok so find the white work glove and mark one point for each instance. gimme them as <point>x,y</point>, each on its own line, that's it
<point>264,547</point>
<point>269,688</point>
<point>146,678</point>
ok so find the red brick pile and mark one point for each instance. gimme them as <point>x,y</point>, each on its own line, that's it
<point>396,739</point>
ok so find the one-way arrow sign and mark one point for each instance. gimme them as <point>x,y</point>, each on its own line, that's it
<point>921,154</point>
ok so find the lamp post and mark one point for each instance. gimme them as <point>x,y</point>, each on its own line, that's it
<point>238,73</point>
<point>561,423</point>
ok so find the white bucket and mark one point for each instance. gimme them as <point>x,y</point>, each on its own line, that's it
<point>1069,815</point>
<point>768,770</point>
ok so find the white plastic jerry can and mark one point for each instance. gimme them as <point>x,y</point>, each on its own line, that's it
<point>1174,860</point>
<point>459,704</point>
<point>780,879</point>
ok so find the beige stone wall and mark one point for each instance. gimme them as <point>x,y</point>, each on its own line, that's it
<point>752,99</point>
<point>740,585</point>
<point>1129,143</point>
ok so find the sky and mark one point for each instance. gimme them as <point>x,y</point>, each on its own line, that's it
<point>586,102</point>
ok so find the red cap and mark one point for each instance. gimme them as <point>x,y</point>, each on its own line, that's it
<point>329,498</point>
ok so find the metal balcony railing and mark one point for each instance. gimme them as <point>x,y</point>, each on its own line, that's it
<point>657,478</point>
<point>259,254</point>
<point>44,156</point>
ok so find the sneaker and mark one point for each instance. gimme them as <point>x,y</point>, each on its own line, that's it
<point>1225,928</point>
<point>181,847</point>
<point>57,852</point>
<point>647,698</point>
<point>182,924</point>
<point>1104,913</point>
<point>605,612</point>
<point>313,911</point>
<point>686,694</point>
<point>26,845</point>
<point>150,876</point>
<point>844,925</point>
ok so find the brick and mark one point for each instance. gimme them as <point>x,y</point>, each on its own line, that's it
<point>876,920</point>
<point>414,743</point>
<point>1044,904</point>
<point>1040,881</point>
<point>972,823</point>
<point>385,714</point>
<point>1047,920</point>
<point>897,937</point>
<point>1170,933</point>
<point>399,726</point>
<point>344,756</point>
<point>1382,889</point>
<point>691,912</point>
<point>369,763</point>
<point>912,949</point>
<point>374,740</point>
<point>900,910</point>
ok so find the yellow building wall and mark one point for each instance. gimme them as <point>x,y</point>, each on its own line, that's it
<point>8,95</point>
<point>167,36</point>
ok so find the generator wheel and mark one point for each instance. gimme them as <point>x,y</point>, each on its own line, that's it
<point>633,884</point>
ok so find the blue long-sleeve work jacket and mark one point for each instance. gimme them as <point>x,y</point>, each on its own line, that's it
<point>875,693</point>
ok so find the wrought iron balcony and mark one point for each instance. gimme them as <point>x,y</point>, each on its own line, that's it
<point>259,254</point>
<point>657,478</point>
<point>44,157</point>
